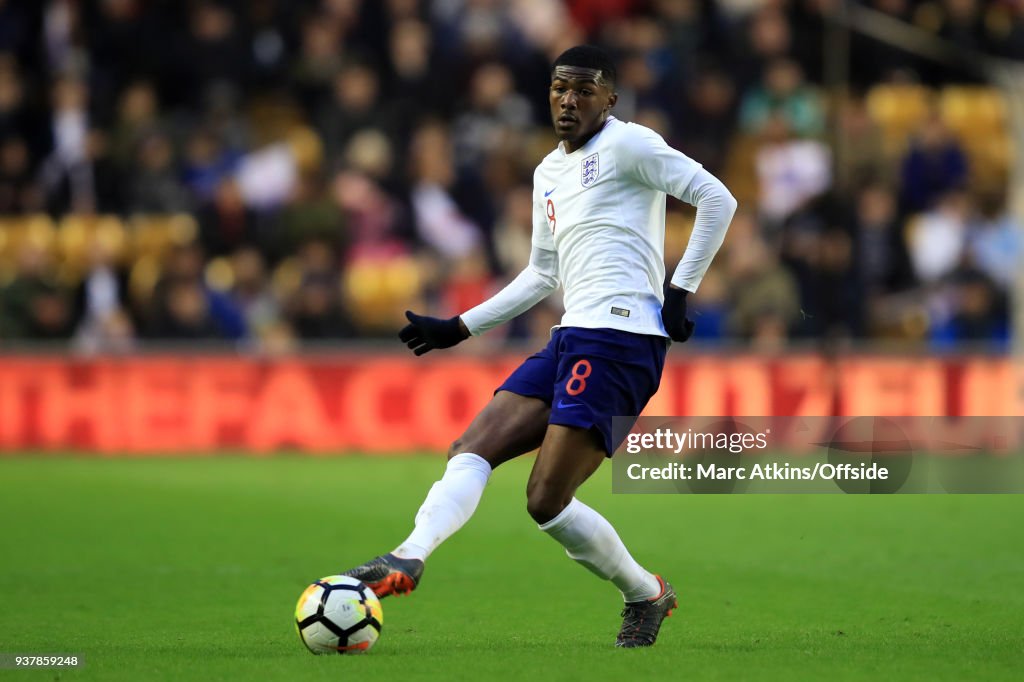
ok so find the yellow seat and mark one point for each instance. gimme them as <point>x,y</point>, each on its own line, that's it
<point>153,235</point>
<point>898,110</point>
<point>79,235</point>
<point>971,111</point>
<point>377,291</point>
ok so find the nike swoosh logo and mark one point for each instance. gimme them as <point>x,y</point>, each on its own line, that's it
<point>548,193</point>
<point>562,403</point>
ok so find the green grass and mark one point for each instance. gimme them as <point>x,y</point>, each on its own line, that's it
<point>189,569</point>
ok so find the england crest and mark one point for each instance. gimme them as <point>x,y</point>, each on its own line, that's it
<point>589,170</point>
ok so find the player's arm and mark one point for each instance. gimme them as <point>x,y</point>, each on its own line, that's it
<point>715,209</point>
<point>532,285</point>
<point>659,166</point>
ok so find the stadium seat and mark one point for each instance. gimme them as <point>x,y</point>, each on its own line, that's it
<point>377,291</point>
<point>18,231</point>
<point>152,235</point>
<point>972,111</point>
<point>78,235</point>
<point>898,110</point>
<point>978,117</point>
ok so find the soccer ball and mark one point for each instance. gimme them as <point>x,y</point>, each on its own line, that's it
<point>338,614</point>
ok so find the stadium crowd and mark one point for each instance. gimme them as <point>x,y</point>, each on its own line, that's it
<point>276,172</point>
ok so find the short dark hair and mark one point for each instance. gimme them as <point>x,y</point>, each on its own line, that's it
<point>589,57</point>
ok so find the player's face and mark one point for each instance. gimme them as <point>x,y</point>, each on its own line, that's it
<point>580,101</point>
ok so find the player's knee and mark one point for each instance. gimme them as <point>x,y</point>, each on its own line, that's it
<point>457,447</point>
<point>477,445</point>
<point>544,501</point>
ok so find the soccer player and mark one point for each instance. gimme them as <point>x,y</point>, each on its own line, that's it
<point>599,230</point>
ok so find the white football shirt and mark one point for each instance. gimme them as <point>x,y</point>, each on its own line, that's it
<point>602,209</point>
<point>599,229</point>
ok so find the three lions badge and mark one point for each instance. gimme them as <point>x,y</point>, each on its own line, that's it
<point>589,170</point>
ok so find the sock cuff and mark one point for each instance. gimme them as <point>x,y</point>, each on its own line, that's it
<point>564,518</point>
<point>468,461</point>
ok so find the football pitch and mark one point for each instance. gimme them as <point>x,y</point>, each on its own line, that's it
<point>188,569</point>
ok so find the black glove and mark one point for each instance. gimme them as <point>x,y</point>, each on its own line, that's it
<point>424,334</point>
<point>673,314</point>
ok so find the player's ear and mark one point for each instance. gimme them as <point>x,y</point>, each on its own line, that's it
<point>612,99</point>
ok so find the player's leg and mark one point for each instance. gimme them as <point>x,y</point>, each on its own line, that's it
<point>602,374</point>
<point>512,423</point>
<point>567,458</point>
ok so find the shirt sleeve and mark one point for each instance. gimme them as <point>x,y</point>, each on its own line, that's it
<point>649,160</point>
<point>537,280</point>
<point>715,209</point>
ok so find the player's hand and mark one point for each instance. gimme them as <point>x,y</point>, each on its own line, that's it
<point>423,334</point>
<point>673,314</point>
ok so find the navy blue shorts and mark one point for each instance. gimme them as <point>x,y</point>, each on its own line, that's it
<point>589,376</point>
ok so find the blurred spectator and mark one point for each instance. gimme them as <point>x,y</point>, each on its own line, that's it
<point>639,86</point>
<point>113,333</point>
<point>226,223</point>
<point>207,164</point>
<point>251,292</point>
<point>320,58</point>
<point>116,29</point>
<point>836,305</point>
<point>353,105</point>
<point>414,85</point>
<point>267,176</point>
<point>708,119</point>
<point>102,293</point>
<point>994,242</point>
<point>880,254</point>
<point>185,314</point>
<point>317,312</point>
<point>791,172</point>
<point>138,116</point>
<point>468,283</point>
<point>495,113</point>
<point>184,307</point>
<point>765,301</point>
<point>15,118</point>
<point>439,222</point>
<point>309,214</point>
<point>937,239</point>
<point>32,304</point>
<point>768,37</point>
<point>19,192</point>
<point>972,310</point>
<point>269,41</point>
<point>155,186</point>
<point>783,95</point>
<point>67,174</point>
<point>212,52</point>
<point>860,154</point>
<point>372,216</point>
<point>934,165</point>
<point>514,230</point>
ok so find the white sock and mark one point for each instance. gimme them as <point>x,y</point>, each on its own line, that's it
<point>590,539</point>
<point>448,505</point>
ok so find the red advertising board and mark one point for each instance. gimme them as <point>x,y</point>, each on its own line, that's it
<point>386,404</point>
